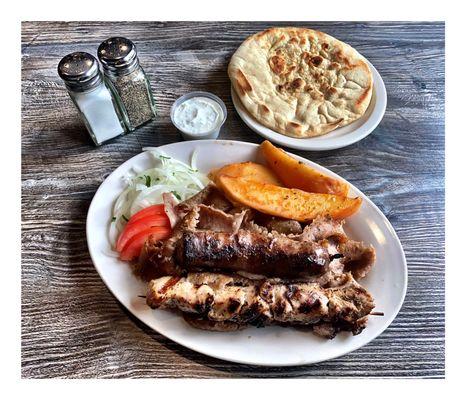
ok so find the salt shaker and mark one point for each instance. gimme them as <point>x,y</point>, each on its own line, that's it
<point>124,74</point>
<point>90,94</point>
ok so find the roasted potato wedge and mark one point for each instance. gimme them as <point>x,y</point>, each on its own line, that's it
<point>247,170</point>
<point>295,174</point>
<point>286,203</point>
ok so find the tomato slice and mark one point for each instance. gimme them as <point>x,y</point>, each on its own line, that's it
<point>151,210</point>
<point>133,228</point>
<point>134,246</point>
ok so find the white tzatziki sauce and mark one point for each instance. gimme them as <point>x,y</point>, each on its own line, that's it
<point>198,115</point>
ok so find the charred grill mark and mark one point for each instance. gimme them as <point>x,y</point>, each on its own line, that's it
<point>200,308</point>
<point>277,64</point>
<point>204,307</point>
<point>266,291</point>
<point>291,292</point>
<point>170,283</point>
<point>251,313</point>
<point>363,96</point>
<point>265,109</point>
<point>237,284</point>
<point>279,308</point>
<point>259,323</point>
<point>243,83</point>
<point>316,60</point>
<point>294,125</point>
<point>309,305</point>
<point>335,256</point>
<point>233,305</point>
<point>298,83</point>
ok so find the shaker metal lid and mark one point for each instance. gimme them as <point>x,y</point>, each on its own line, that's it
<point>117,54</point>
<point>79,70</point>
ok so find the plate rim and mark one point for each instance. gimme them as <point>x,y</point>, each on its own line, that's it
<point>283,140</point>
<point>239,360</point>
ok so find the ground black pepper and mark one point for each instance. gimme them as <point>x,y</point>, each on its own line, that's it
<point>134,92</point>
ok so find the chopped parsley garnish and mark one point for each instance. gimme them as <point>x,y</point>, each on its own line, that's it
<point>148,179</point>
<point>124,217</point>
<point>164,157</point>
<point>113,219</point>
<point>176,195</point>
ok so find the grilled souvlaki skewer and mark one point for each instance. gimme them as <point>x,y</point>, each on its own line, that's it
<point>231,299</point>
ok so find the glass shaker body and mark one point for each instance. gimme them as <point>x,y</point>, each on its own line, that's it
<point>134,94</point>
<point>128,80</point>
<point>92,97</point>
<point>100,113</point>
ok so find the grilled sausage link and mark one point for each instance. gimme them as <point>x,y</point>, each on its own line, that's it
<point>256,253</point>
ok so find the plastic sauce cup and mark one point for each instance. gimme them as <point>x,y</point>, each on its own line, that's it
<point>212,134</point>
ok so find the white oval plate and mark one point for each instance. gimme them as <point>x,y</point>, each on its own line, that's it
<point>273,345</point>
<point>336,139</point>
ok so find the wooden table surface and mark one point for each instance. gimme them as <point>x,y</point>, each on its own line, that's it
<point>73,327</point>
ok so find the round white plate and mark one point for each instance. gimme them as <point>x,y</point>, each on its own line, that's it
<point>336,139</point>
<point>273,345</point>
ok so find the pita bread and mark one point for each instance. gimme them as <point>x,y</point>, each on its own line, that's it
<point>300,82</point>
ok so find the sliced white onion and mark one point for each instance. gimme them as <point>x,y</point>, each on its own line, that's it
<point>170,202</point>
<point>167,176</point>
<point>194,158</point>
<point>111,253</point>
<point>113,234</point>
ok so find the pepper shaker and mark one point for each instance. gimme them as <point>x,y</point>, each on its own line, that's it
<point>128,80</point>
<point>91,96</point>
